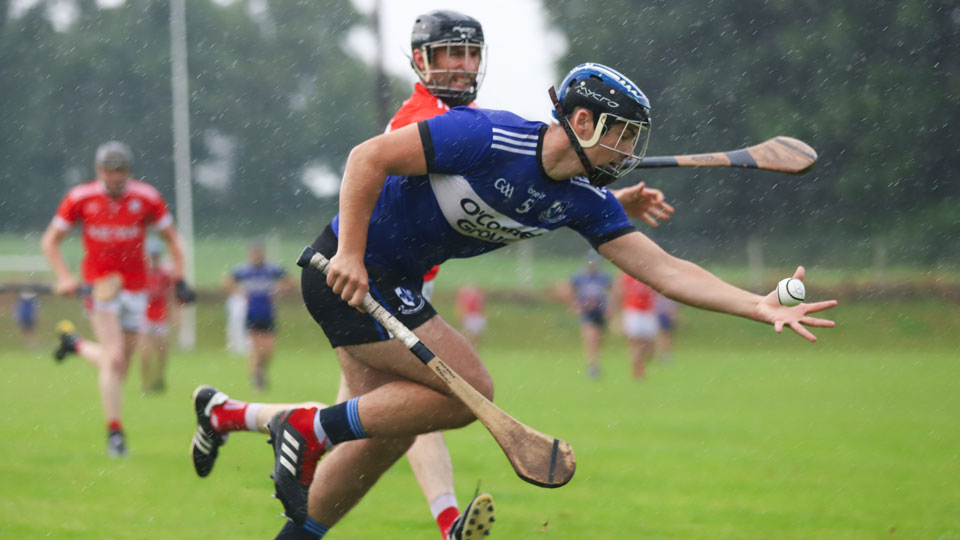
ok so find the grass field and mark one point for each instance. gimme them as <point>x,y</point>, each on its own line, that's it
<point>745,435</point>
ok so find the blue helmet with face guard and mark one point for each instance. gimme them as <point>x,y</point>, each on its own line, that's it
<point>615,102</point>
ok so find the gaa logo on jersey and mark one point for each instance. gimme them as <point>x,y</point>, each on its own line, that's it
<point>412,303</point>
<point>134,206</point>
<point>555,213</point>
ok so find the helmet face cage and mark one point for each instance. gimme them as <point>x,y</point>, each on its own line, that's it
<point>634,135</point>
<point>615,103</point>
<point>441,81</point>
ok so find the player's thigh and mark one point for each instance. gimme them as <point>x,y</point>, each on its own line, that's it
<point>106,329</point>
<point>393,358</point>
<point>262,341</point>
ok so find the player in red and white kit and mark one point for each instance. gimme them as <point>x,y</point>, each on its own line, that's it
<point>470,307</point>
<point>114,211</point>
<point>640,325</point>
<point>156,327</point>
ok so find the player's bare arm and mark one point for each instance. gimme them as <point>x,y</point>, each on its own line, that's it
<point>686,282</point>
<point>175,247</point>
<point>399,153</point>
<point>50,244</point>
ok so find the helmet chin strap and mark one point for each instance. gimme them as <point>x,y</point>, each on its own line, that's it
<point>592,174</point>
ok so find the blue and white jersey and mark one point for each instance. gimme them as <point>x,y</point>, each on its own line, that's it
<point>258,283</point>
<point>485,188</point>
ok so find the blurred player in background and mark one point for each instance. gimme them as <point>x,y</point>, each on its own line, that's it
<point>114,211</point>
<point>156,328</point>
<point>26,315</point>
<point>590,289</point>
<point>471,311</point>
<point>638,319</point>
<point>667,325</point>
<point>260,282</point>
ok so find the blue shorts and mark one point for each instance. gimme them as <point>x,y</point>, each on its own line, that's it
<point>666,322</point>
<point>594,316</point>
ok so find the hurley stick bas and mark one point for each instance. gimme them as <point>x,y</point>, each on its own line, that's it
<point>537,458</point>
<point>779,154</point>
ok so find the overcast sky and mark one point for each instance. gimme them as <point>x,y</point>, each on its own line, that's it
<point>521,53</point>
<point>521,49</point>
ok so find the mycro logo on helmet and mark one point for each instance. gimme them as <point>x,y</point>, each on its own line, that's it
<point>596,96</point>
<point>468,31</point>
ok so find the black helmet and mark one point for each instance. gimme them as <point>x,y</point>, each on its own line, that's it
<point>448,29</point>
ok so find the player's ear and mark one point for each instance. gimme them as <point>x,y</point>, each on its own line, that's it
<point>419,60</point>
<point>582,122</point>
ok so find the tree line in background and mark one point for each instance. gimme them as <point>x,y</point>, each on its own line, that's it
<point>875,90</point>
<point>269,94</point>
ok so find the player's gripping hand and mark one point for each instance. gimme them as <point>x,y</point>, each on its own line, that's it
<point>184,293</point>
<point>348,278</point>
<point>795,317</point>
<point>66,286</point>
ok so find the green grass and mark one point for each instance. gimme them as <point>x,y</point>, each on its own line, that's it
<point>745,435</point>
<point>217,255</point>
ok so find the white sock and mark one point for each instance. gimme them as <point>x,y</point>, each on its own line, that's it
<point>250,416</point>
<point>443,502</point>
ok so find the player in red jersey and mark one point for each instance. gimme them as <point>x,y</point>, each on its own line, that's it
<point>638,309</point>
<point>469,306</point>
<point>114,211</point>
<point>156,328</point>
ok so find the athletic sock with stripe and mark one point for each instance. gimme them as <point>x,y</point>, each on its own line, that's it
<point>235,415</point>
<point>339,423</point>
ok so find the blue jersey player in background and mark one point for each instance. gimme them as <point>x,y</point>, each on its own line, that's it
<point>591,287</point>
<point>459,185</point>
<point>26,314</point>
<point>260,281</point>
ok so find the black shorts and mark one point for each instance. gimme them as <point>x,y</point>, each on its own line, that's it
<point>594,316</point>
<point>344,325</point>
<point>262,325</point>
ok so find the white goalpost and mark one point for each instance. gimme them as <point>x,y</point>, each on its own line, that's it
<point>181,160</point>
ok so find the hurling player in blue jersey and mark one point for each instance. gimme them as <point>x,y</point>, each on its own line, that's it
<point>591,288</point>
<point>459,185</point>
<point>260,281</point>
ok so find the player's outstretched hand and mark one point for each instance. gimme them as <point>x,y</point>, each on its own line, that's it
<point>645,203</point>
<point>796,317</point>
<point>184,293</point>
<point>347,276</point>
